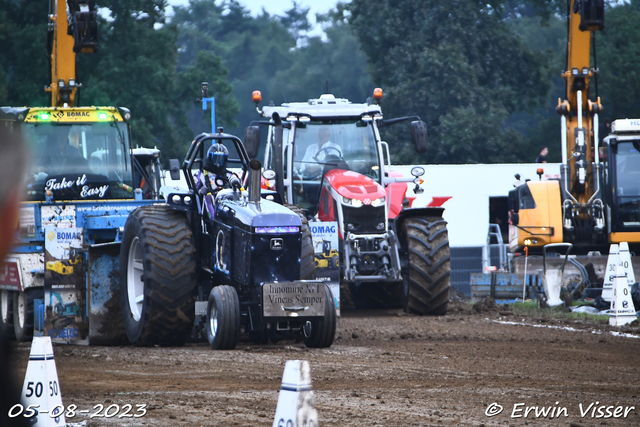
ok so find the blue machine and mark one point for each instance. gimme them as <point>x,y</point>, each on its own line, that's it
<point>61,280</point>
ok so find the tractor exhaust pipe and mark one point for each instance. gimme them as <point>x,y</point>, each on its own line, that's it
<point>254,181</point>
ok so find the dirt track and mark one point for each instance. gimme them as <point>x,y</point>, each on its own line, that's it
<point>385,369</point>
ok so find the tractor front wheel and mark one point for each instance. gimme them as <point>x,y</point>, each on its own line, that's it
<point>157,277</point>
<point>23,312</point>
<point>427,273</point>
<point>6,305</point>
<point>223,318</point>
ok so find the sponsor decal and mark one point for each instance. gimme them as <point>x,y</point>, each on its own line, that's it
<point>85,190</point>
<point>324,228</point>
<point>10,275</point>
<point>60,216</point>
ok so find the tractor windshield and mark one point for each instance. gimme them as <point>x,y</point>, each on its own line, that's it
<point>336,144</point>
<point>628,183</point>
<point>85,161</point>
<point>347,145</point>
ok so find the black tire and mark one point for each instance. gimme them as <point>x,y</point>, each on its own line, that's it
<point>223,318</point>
<point>335,261</point>
<point>162,241</point>
<point>307,254</point>
<point>6,308</point>
<point>376,295</point>
<point>427,274</point>
<point>23,312</point>
<point>323,330</point>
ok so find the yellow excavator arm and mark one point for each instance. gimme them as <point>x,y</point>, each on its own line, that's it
<point>579,114</point>
<point>571,209</point>
<point>73,28</point>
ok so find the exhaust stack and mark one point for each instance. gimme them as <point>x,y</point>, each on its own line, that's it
<point>254,180</point>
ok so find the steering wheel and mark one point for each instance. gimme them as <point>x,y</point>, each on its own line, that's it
<point>327,154</point>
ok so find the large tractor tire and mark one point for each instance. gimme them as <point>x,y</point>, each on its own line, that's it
<point>428,267</point>
<point>376,295</point>
<point>323,330</point>
<point>157,277</point>
<point>6,307</point>
<point>307,254</point>
<point>223,318</point>
<point>23,312</point>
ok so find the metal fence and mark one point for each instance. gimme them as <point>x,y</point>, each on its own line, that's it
<point>474,259</point>
<point>465,261</point>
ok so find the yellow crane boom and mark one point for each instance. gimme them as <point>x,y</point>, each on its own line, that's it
<point>72,29</point>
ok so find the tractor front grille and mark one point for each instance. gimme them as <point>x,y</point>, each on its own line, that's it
<point>363,219</point>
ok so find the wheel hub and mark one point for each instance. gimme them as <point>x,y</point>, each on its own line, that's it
<point>135,280</point>
<point>213,320</point>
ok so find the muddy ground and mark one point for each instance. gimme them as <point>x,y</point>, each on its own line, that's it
<point>386,368</point>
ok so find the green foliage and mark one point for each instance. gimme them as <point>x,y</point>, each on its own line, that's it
<point>619,62</point>
<point>24,68</point>
<point>273,54</point>
<point>135,67</point>
<point>459,67</point>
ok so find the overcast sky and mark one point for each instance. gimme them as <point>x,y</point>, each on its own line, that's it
<point>276,7</point>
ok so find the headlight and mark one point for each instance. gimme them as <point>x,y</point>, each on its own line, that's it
<point>352,202</point>
<point>378,202</point>
<point>176,199</point>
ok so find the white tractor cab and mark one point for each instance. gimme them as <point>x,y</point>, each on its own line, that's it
<point>326,157</point>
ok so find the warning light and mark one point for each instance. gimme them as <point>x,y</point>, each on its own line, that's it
<point>102,116</point>
<point>45,116</point>
<point>256,96</point>
<point>377,93</point>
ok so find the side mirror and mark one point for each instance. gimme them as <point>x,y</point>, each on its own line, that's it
<point>252,140</point>
<point>174,169</point>
<point>515,218</point>
<point>419,136</point>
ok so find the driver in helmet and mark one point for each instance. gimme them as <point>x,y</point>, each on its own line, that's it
<point>215,162</point>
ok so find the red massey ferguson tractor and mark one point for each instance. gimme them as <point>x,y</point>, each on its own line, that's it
<point>325,156</point>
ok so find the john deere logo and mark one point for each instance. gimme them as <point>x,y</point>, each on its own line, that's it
<point>276,244</point>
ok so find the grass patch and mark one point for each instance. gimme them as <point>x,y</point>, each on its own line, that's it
<point>530,309</point>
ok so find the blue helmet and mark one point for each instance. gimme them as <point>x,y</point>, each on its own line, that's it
<point>216,159</point>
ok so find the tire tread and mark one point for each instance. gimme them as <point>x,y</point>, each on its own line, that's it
<point>427,276</point>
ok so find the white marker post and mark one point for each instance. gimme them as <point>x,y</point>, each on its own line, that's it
<point>610,272</point>
<point>622,308</point>
<point>41,389</point>
<point>296,404</point>
<point>625,262</point>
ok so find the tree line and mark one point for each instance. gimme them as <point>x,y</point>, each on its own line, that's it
<point>484,76</point>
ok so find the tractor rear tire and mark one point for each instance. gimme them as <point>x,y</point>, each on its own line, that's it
<point>307,253</point>
<point>427,275</point>
<point>223,318</point>
<point>6,307</point>
<point>157,277</point>
<point>323,330</point>
<point>376,295</point>
<point>23,312</point>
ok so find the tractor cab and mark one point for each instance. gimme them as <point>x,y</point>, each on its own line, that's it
<point>77,154</point>
<point>622,177</point>
<point>319,147</point>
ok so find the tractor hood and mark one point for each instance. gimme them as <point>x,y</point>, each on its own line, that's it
<point>250,215</point>
<point>353,185</point>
